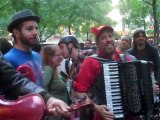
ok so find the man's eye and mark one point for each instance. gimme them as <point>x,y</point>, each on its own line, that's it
<point>29,29</point>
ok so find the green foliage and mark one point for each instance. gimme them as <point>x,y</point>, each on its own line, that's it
<point>135,13</point>
<point>57,15</point>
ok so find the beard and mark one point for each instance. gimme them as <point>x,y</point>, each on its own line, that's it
<point>27,42</point>
<point>141,42</point>
<point>109,51</point>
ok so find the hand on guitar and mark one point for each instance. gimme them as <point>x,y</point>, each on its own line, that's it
<point>82,102</point>
<point>57,107</point>
<point>104,112</point>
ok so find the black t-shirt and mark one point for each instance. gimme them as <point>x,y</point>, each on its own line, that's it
<point>142,55</point>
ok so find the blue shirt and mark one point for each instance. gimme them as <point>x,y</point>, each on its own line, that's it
<point>17,57</point>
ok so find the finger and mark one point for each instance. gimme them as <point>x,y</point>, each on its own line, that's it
<point>53,111</point>
<point>64,107</point>
<point>67,114</point>
<point>156,82</point>
<point>110,116</point>
<point>60,112</point>
<point>105,107</point>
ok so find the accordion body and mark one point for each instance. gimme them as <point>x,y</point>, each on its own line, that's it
<point>129,88</point>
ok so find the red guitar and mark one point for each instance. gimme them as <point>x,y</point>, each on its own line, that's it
<point>28,107</point>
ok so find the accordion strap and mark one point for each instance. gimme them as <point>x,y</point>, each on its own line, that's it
<point>102,60</point>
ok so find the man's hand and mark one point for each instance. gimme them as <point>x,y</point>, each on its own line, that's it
<point>156,89</point>
<point>104,112</point>
<point>57,107</point>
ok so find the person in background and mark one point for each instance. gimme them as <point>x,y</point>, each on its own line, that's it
<point>128,41</point>
<point>81,46</point>
<point>5,45</point>
<point>89,49</point>
<point>124,45</point>
<point>36,47</point>
<point>88,44</point>
<point>24,29</point>
<point>70,49</point>
<point>51,56</point>
<point>144,51</point>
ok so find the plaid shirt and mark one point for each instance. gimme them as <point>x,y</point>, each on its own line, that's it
<point>76,64</point>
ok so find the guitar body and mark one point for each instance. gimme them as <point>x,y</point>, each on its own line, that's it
<point>28,107</point>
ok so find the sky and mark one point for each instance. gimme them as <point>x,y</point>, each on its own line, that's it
<point>115,14</point>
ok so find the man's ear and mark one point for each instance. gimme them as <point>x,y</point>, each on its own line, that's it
<point>15,31</point>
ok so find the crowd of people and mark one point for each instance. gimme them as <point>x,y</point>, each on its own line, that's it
<point>70,71</point>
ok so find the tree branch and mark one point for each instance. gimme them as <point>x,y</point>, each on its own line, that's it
<point>41,31</point>
<point>55,27</point>
<point>147,2</point>
<point>4,6</point>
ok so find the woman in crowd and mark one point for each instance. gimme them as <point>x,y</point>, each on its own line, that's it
<point>54,83</point>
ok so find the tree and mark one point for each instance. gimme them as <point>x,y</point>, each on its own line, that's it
<point>154,5</point>
<point>134,14</point>
<point>57,15</point>
<point>140,13</point>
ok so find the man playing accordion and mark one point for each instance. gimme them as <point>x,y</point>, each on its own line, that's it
<point>89,81</point>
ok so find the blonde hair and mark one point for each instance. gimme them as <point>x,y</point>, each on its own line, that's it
<point>47,53</point>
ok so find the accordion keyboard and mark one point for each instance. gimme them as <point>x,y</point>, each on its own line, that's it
<point>112,89</point>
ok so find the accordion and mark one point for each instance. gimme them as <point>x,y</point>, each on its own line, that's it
<point>129,88</point>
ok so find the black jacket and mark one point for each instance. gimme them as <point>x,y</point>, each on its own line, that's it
<point>13,85</point>
<point>152,56</point>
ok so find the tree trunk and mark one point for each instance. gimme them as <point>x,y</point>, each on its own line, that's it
<point>87,35</point>
<point>155,18</point>
<point>69,29</point>
<point>156,23</point>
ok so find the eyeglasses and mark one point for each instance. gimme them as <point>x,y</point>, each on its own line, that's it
<point>58,55</point>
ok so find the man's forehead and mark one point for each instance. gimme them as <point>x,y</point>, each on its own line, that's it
<point>30,22</point>
<point>106,33</point>
<point>126,39</point>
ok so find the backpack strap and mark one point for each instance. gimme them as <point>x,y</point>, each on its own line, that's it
<point>67,66</point>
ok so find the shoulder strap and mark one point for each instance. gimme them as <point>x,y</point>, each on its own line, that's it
<point>67,66</point>
<point>102,60</point>
<point>123,58</point>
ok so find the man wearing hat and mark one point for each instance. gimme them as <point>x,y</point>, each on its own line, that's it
<point>24,30</point>
<point>90,78</point>
<point>90,71</point>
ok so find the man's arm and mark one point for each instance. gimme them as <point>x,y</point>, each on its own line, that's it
<point>13,85</point>
<point>102,110</point>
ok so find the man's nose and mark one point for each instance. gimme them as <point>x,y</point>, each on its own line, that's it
<point>35,31</point>
<point>109,40</point>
